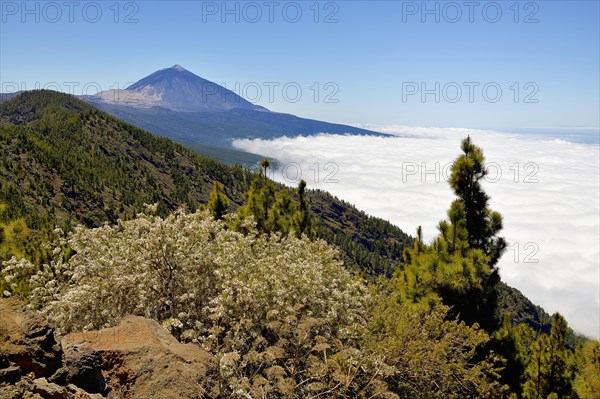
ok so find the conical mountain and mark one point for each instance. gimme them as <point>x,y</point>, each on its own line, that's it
<point>180,90</point>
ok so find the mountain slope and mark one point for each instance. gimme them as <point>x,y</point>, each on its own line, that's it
<point>7,96</point>
<point>175,103</point>
<point>177,89</point>
<point>220,128</point>
<point>63,161</point>
<point>226,155</point>
<point>522,310</point>
<point>68,160</point>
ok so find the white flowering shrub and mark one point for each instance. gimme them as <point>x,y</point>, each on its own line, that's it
<point>15,273</point>
<point>282,313</point>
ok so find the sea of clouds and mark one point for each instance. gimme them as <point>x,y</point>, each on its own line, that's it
<point>547,190</point>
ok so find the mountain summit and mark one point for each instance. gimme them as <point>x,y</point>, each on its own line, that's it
<point>178,104</point>
<point>177,89</point>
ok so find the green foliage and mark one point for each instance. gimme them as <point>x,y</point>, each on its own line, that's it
<point>522,311</point>
<point>544,365</point>
<point>13,238</point>
<point>282,213</point>
<point>481,223</point>
<point>218,202</point>
<point>587,380</point>
<point>273,208</point>
<point>428,354</point>
<point>434,270</point>
<point>513,342</point>
<point>551,368</point>
<point>303,219</point>
<point>481,227</point>
<point>228,156</point>
<point>64,162</point>
<point>259,199</point>
<point>370,245</point>
<point>459,264</point>
<point>73,159</point>
<point>284,317</point>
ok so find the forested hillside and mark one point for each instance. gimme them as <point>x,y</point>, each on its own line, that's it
<point>64,161</point>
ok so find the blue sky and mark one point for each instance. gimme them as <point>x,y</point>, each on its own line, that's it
<point>371,58</point>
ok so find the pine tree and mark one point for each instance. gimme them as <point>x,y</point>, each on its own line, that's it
<point>459,264</point>
<point>535,386</point>
<point>513,343</point>
<point>482,224</point>
<point>303,218</point>
<point>264,164</point>
<point>274,209</point>
<point>259,199</point>
<point>550,369</point>
<point>218,202</point>
<point>561,362</point>
<point>281,214</point>
<point>587,381</point>
<point>458,230</point>
<point>418,245</point>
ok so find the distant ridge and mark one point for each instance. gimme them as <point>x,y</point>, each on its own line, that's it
<point>7,96</point>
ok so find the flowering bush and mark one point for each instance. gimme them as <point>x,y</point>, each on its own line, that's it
<point>261,301</point>
<point>281,313</point>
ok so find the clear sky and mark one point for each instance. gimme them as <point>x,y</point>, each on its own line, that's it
<point>381,62</point>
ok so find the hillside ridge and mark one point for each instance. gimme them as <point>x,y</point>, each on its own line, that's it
<point>66,162</point>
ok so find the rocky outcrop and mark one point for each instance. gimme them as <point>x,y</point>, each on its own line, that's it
<point>29,353</point>
<point>83,368</point>
<point>142,360</point>
<point>27,341</point>
<point>135,359</point>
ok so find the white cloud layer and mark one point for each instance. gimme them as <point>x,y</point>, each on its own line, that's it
<point>546,189</point>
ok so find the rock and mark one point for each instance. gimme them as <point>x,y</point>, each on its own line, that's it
<point>82,367</point>
<point>49,390</point>
<point>10,374</point>
<point>27,340</point>
<point>10,392</point>
<point>136,359</point>
<point>26,387</point>
<point>78,393</point>
<point>142,360</point>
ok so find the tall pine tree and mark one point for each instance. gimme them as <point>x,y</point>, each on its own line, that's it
<point>459,264</point>
<point>303,215</point>
<point>218,202</point>
<point>482,224</point>
<point>260,197</point>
